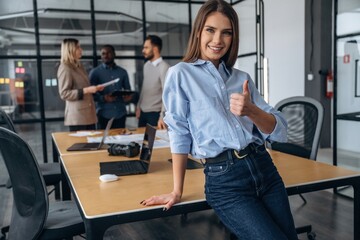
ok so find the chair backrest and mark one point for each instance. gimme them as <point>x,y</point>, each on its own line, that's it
<point>305,117</point>
<point>5,121</point>
<point>31,201</point>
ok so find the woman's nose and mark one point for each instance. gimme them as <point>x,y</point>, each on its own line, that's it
<point>217,37</point>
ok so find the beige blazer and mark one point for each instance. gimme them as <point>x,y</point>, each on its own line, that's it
<point>77,111</point>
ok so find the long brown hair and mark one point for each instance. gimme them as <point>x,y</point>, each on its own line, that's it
<point>193,49</point>
<point>68,51</point>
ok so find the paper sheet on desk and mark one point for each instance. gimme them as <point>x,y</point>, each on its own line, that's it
<point>163,134</point>
<point>120,139</point>
<point>84,134</point>
<point>125,139</point>
<point>159,143</point>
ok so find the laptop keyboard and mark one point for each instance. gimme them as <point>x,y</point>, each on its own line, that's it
<point>130,166</point>
<point>91,145</point>
<point>122,167</point>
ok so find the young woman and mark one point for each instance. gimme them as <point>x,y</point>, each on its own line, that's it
<point>75,89</point>
<point>215,112</point>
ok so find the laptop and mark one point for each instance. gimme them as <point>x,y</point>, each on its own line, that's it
<point>137,166</point>
<point>92,146</point>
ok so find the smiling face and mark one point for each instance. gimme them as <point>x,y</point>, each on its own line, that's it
<point>215,38</point>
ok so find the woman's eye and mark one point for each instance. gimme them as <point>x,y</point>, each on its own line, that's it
<point>228,33</point>
<point>210,30</point>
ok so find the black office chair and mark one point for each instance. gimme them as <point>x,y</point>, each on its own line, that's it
<point>32,217</point>
<point>50,171</point>
<point>304,116</point>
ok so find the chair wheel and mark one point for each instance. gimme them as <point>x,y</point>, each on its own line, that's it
<point>311,236</point>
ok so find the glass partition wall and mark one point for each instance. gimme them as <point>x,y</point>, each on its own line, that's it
<point>31,33</point>
<point>347,87</point>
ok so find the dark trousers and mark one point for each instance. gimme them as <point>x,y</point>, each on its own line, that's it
<point>82,127</point>
<point>117,123</point>
<point>151,118</point>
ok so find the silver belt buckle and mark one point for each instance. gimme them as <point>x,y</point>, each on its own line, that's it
<point>238,156</point>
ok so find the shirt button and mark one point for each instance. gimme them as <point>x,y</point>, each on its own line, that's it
<point>237,126</point>
<point>222,87</point>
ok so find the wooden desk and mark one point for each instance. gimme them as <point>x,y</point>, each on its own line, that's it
<point>103,205</point>
<point>62,140</point>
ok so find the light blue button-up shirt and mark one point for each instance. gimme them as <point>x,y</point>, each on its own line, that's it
<point>196,97</point>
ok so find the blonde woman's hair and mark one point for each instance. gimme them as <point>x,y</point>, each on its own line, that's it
<point>193,49</point>
<point>68,51</point>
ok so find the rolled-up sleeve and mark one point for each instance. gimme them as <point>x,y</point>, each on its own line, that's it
<point>177,109</point>
<point>279,133</point>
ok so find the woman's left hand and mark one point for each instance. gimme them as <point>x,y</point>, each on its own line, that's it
<point>240,103</point>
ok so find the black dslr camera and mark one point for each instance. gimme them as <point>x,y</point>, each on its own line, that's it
<point>130,150</point>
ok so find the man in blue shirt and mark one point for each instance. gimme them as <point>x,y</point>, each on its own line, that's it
<point>108,105</point>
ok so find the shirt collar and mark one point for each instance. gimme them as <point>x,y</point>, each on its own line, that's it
<point>107,67</point>
<point>222,66</point>
<point>157,61</point>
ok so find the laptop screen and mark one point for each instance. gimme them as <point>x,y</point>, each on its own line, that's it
<point>138,166</point>
<point>148,143</point>
<point>106,132</point>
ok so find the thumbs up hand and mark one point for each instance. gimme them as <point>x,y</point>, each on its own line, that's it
<point>240,103</point>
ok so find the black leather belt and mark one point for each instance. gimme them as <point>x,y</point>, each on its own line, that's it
<point>235,154</point>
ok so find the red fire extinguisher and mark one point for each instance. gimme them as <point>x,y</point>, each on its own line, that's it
<point>329,84</point>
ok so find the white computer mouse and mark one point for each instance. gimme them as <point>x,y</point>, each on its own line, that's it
<point>108,177</point>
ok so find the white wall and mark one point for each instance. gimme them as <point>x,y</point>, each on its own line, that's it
<point>285,48</point>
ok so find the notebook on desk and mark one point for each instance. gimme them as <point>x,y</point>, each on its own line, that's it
<point>138,166</point>
<point>92,146</point>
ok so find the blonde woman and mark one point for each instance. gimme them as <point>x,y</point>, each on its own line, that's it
<point>75,89</point>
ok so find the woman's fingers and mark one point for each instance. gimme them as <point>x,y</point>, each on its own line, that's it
<point>165,199</point>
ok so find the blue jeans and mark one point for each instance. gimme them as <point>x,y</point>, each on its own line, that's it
<point>250,198</point>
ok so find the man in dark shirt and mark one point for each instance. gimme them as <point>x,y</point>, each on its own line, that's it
<point>108,105</point>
